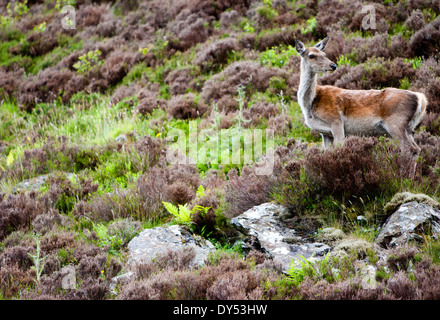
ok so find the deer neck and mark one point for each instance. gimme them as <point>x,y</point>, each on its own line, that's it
<point>307,88</point>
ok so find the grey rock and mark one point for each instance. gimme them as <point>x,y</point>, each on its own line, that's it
<point>121,138</point>
<point>151,242</point>
<point>36,183</point>
<point>368,275</point>
<point>123,278</point>
<point>264,226</point>
<point>409,222</point>
<point>31,184</point>
<point>407,197</point>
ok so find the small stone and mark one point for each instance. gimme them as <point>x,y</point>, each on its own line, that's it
<point>362,220</point>
<point>368,274</point>
<point>123,278</point>
<point>121,138</point>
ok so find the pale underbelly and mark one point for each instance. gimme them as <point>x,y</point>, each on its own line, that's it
<point>365,127</point>
<point>352,127</point>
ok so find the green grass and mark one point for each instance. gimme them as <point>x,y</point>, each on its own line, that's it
<point>66,46</point>
<point>277,56</point>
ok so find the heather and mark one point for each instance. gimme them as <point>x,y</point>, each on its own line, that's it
<point>92,110</point>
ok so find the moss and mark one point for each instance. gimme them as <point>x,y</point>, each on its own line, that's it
<point>331,235</point>
<point>405,197</point>
<point>351,245</point>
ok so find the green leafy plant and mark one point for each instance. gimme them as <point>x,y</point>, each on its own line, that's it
<point>41,27</point>
<point>277,56</point>
<point>158,49</point>
<point>88,62</point>
<point>61,3</point>
<point>416,62</point>
<point>298,274</point>
<point>315,270</point>
<point>241,102</point>
<point>343,60</point>
<point>200,192</point>
<point>248,28</point>
<point>404,83</point>
<point>20,8</point>
<point>311,26</point>
<point>205,234</point>
<point>267,10</point>
<point>38,260</point>
<point>114,242</point>
<point>182,213</point>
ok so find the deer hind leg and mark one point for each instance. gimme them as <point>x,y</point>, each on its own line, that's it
<point>410,150</point>
<point>414,153</point>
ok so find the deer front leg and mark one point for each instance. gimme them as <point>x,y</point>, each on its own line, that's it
<point>338,133</point>
<point>327,141</point>
<point>319,126</point>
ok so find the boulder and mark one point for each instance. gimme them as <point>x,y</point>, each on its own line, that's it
<point>152,242</point>
<point>265,228</point>
<point>406,197</point>
<point>409,222</point>
<point>37,182</point>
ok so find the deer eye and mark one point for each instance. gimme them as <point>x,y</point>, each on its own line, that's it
<point>312,56</point>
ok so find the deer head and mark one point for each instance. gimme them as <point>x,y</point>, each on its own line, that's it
<point>314,58</point>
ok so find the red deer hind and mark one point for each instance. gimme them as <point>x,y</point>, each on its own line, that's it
<point>335,113</point>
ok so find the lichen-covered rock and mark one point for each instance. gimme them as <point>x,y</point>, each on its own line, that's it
<point>409,222</point>
<point>368,275</point>
<point>37,182</point>
<point>151,242</point>
<point>406,197</point>
<point>264,226</point>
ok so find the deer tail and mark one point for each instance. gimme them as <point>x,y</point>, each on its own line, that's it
<point>422,103</point>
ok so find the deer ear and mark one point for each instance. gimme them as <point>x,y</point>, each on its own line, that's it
<point>300,47</point>
<point>321,45</point>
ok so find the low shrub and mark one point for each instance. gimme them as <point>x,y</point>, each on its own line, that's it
<point>216,54</point>
<point>248,74</point>
<point>47,86</point>
<point>246,191</point>
<point>18,211</point>
<point>186,107</point>
<point>425,42</point>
